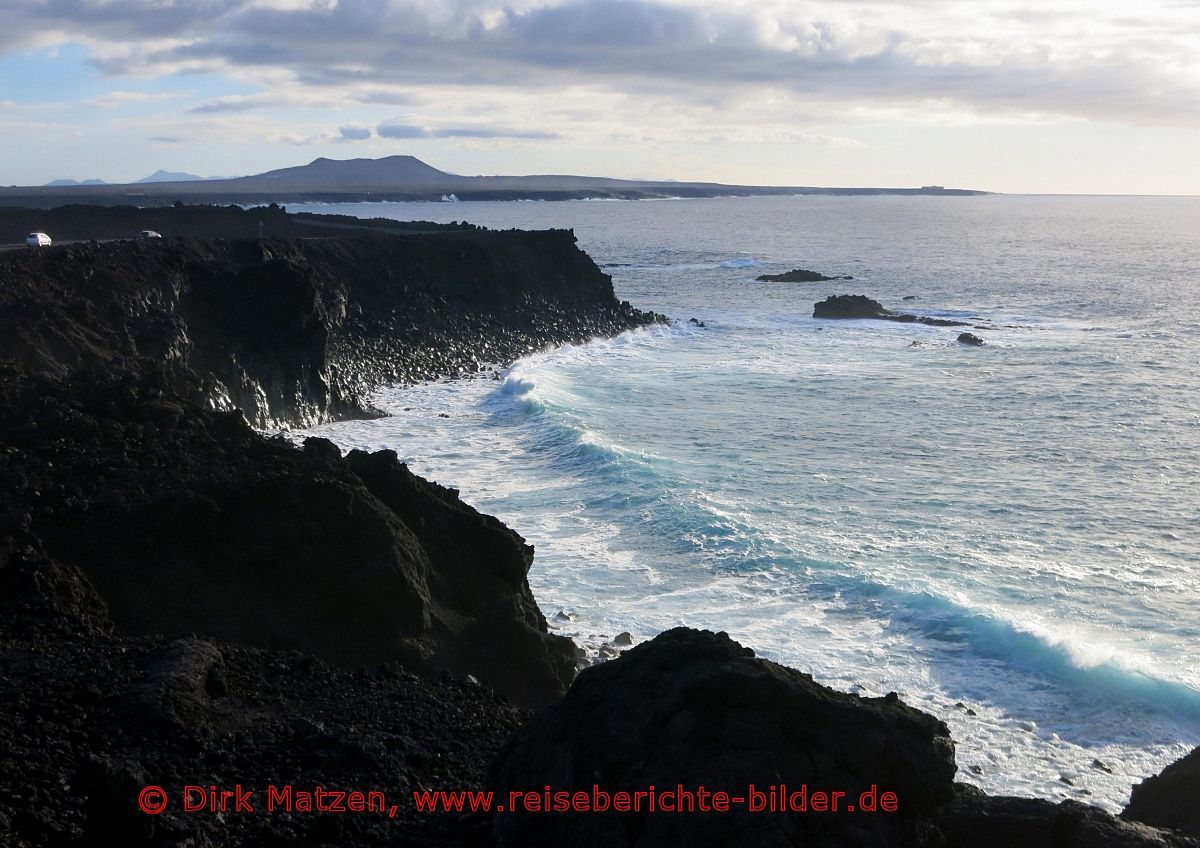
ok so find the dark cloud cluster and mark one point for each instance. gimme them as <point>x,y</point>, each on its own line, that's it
<point>640,46</point>
<point>354,133</point>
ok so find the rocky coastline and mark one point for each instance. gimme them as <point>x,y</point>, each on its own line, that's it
<point>185,599</point>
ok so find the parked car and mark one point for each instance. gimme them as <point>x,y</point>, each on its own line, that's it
<point>37,240</point>
<point>148,234</point>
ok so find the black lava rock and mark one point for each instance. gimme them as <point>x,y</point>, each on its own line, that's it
<point>849,306</point>
<point>696,708</point>
<point>857,306</point>
<point>1171,798</point>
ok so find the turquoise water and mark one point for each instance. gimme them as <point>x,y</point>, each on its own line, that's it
<point>1009,531</point>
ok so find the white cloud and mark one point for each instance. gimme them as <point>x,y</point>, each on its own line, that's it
<point>1101,60</point>
<point>116,99</point>
<point>646,79</point>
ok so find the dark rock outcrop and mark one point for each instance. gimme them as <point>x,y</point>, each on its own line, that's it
<point>697,709</point>
<point>693,708</point>
<point>184,519</point>
<point>798,275</point>
<point>857,306</point>
<point>1170,798</point>
<point>849,306</point>
<point>970,339</point>
<point>299,331</point>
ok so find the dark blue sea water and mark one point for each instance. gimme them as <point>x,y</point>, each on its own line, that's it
<point>1012,530</point>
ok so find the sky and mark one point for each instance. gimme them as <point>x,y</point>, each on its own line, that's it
<point>1070,96</point>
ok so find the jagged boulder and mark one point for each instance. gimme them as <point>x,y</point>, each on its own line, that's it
<point>849,306</point>
<point>695,708</point>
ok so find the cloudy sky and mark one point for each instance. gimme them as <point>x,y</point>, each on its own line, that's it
<point>1041,96</point>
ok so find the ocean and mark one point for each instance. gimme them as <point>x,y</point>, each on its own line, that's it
<point>1007,536</point>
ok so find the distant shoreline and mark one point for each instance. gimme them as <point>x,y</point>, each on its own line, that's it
<point>406,179</point>
<point>50,196</point>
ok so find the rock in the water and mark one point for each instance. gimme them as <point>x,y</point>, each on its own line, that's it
<point>970,339</point>
<point>798,275</point>
<point>849,306</point>
<point>910,297</point>
<point>1171,798</point>
<point>698,709</point>
<point>624,639</point>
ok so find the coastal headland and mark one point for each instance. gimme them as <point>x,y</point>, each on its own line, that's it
<point>197,616</point>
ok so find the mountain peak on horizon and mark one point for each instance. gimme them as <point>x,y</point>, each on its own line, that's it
<point>398,169</point>
<point>395,157</point>
<point>66,182</point>
<point>161,176</point>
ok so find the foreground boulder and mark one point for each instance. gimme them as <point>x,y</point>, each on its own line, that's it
<point>857,306</point>
<point>695,708</point>
<point>1170,799</point>
<point>970,339</point>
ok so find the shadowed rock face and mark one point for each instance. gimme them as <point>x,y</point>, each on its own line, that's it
<point>696,708</point>
<point>299,331</point>
<point>1170,799</point>
<point>185,520</point>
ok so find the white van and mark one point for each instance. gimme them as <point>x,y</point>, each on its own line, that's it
<point>37,240</point>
